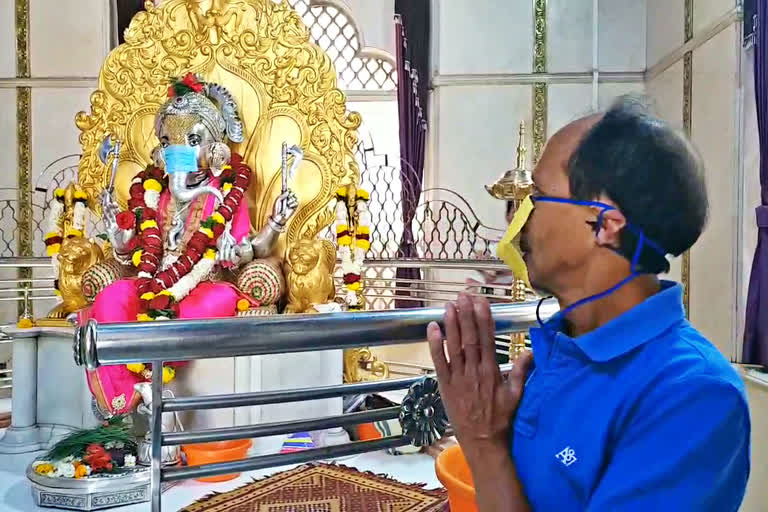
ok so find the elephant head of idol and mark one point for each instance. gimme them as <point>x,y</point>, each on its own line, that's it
<point>193,127</point>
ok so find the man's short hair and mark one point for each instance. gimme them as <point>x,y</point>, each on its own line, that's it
<point>653,174</point>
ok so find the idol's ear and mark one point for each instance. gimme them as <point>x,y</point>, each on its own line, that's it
<point>158,157</point>
<point>229,110</point>
<point>218,155</point>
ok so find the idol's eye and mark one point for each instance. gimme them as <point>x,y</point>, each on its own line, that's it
<point>194,140</point>
<point>164,143</point>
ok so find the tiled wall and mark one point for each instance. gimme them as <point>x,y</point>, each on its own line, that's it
<point>483,75</point>
<point>66,42</point>
<point>712,87</point>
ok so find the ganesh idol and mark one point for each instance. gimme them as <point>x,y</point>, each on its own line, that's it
<point>186,227</point>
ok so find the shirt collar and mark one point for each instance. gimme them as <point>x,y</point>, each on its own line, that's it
<point>644,322</point>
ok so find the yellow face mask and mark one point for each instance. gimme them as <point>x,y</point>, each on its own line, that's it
<point>507,251</point>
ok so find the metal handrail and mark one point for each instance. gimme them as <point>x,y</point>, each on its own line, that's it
<point>278,397</point>
<point>186,340</point>
<point>282,427</point>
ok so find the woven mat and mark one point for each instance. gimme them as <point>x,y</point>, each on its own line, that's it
<point>324,488</point>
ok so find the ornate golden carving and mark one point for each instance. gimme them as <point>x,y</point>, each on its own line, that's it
<point>77,255</point>
<point>309,275</point>
<point>24,191</point>
<point>285,86</point>
<point>540,36</point>
<point>24,224</point>
<point>361,365</point>
<point>516,345</point>
<point>685,271</point>
<point>22,38</point>
<point>540,101</point>
<point>539,66</point>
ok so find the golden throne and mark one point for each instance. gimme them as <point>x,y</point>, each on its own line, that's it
<point>284,85</point>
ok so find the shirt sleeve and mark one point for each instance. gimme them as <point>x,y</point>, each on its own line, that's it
<point>685,448</point>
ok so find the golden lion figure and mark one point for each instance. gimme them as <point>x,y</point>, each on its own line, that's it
<point>309,275</point>
<point>77,255</point>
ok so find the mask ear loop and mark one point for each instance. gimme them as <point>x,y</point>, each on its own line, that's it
<point>634,273</point>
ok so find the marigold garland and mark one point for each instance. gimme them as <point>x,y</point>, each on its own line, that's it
<point>352,259</point>
<point>55,235</point>
<point>164,281</point>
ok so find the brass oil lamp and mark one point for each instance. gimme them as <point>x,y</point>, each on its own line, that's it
<point>515,185</point>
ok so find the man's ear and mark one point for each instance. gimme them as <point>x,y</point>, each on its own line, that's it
<point>613,221</point>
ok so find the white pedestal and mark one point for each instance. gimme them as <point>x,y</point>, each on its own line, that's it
<point>50,395</point>
<point>262,373</point>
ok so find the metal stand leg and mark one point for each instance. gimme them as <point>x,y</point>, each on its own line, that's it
<point>157,433</point>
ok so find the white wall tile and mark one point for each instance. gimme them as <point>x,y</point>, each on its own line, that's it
<point>68,38</point>
<point>569,36</point>
<point>54,133</point>
<point>374,19</point>
<point>713,295</point>
<point>8,147</point>
<point>666,29</point>
<point>477,138</point>
<point>622,35</point>
<point>567,102</point>
<point>707,12</point>
<point>751,184</point>
<point>7,39</point>
<point>485,37</point>
<point>610,91</point>
<point>757,492</point>
<point>666,91</point>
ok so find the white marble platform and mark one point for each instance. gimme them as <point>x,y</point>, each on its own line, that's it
<point>16,496</point>
<point>51,396</point>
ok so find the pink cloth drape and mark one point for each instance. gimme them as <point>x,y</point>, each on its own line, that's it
<point>119,302</point>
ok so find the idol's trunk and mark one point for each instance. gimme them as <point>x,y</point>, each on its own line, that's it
<point>183,194</point>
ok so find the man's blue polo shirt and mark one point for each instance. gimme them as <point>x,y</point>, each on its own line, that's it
<point>642,414</point>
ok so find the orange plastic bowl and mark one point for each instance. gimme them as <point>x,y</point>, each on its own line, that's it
<point>210,453</point>
<point>453,472</point>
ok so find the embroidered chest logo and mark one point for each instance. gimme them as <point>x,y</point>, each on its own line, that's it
<point>567,456</point>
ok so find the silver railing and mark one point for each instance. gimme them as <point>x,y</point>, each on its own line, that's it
<point>24,291</point>
<point>27,290</point>
<point>185,340</point>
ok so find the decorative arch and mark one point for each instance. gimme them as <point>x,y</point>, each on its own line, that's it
<point>333,27</point>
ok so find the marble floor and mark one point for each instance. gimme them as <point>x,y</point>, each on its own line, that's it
<point>16,496</point>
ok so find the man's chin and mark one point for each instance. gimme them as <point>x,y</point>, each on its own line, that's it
<point>536,285</point>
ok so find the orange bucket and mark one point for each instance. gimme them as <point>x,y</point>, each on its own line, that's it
<point>222,451</point>
<point>453,472</point>
<point>368,432</point>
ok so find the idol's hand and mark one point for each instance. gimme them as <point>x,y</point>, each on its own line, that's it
<point>480,403</point>
<point>284,208</point>
<point>117,237</point>
<point>226,253</point>
<point>109,209</point>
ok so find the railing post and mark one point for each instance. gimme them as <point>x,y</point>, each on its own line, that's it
<point>157,435</point>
